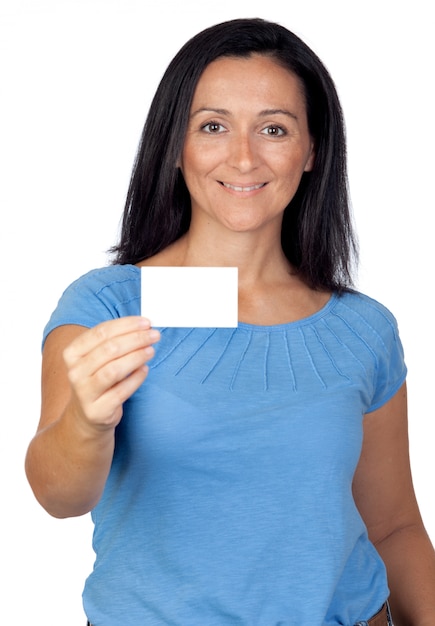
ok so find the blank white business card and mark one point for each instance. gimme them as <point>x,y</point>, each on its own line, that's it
<point>189,297</point>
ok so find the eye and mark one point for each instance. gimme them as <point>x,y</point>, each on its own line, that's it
<point>213,128</point>
<point>274,131</point>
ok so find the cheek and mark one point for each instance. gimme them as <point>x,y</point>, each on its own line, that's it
<point>191,162</point>
<point>194,171</point>
<point>291,168</point>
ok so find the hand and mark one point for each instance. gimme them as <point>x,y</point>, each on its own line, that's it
<point>105,365</point>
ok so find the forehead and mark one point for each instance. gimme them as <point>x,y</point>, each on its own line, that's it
<point>256,76</point>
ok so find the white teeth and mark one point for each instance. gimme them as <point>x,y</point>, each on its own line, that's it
<point>235,188</point>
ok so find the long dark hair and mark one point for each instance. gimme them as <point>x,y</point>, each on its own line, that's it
<point>317,234</point>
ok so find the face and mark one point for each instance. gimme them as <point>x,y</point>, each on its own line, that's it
<point>247,144</point>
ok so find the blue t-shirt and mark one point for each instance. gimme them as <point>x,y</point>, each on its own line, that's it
<point>229,500</point>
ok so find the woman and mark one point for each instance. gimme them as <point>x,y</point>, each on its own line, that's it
<point>257,475</point>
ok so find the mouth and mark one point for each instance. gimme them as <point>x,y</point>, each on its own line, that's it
<point>240,188</point>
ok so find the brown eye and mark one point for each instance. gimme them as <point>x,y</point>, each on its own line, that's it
<point>274,131</point>
<point>213,128</point>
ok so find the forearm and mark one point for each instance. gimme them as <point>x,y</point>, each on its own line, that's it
<point>67,465</point>
<point>410,560</point>
<point>87,375</point>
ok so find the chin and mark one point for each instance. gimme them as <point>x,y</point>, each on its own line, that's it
<point>244,225</point>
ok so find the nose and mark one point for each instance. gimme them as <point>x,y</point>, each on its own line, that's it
<point>243,154</point>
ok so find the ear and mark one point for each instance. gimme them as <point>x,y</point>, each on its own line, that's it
<point>311,158</point>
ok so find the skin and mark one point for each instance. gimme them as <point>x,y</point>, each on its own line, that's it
<point>246,148</point>
<point>247,145</point>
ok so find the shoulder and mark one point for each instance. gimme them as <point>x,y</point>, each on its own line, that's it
<point>109,277</point>
<point>371,332</point>
<point>97,296</point>
<point>367,325</point>
<point>115,285</point>
<point>363,311</point>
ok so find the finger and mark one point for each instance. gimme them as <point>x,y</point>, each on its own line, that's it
<point>91,382</point>
<point>111,350</point>
<point>106,411</point>
<point>89,340</point>
<point>116,370</point>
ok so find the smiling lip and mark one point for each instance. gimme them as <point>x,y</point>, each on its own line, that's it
<point>244,188</point>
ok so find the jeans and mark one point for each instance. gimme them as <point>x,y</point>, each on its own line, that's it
<point>389,619</point>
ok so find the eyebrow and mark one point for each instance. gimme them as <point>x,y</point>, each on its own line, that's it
<point>264,113</point>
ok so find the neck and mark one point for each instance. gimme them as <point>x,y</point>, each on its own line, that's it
<point>256,259</point>
<point>269,291</point>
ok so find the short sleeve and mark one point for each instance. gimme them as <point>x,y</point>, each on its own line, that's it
<point>390,371</point>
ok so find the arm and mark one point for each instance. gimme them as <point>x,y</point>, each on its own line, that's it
<point>385,497</point>
<point>87,375</point>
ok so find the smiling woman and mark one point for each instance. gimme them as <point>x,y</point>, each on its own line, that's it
<point>249,475</point>
<point>316,234</point>
<point>246,148</point>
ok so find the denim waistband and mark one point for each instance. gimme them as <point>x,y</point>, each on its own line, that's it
<point>382,618</point>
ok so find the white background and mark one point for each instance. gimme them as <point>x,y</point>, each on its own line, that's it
<point>76,79</point>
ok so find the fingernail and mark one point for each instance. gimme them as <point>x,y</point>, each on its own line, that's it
<point>154,335</point>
